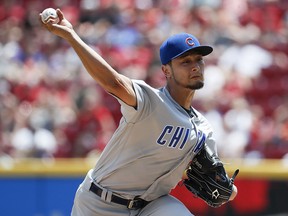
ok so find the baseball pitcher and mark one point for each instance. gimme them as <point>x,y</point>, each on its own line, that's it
<point>158,137</point>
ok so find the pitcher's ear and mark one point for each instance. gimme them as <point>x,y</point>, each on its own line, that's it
<point>166,69</point>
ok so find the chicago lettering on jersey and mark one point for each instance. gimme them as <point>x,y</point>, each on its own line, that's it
<point>177,137</point>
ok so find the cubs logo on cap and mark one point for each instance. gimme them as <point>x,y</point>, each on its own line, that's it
<point>178,44</point>
<point>189,41</point>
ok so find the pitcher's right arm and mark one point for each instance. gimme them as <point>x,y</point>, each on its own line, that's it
<point>113,82</point>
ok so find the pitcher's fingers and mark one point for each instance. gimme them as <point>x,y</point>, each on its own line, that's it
<point>60,14</point>
<point>234,193</point>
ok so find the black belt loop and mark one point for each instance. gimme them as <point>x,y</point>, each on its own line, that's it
<point>130,204</point>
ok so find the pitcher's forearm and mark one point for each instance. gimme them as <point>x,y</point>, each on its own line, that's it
<point>102,72</point>
<point>96,66</point>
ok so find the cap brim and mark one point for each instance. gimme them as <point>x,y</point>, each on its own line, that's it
<point>202,50</point>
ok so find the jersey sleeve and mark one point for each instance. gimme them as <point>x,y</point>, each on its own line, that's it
<point>207,127</point>
<point>146,102</point>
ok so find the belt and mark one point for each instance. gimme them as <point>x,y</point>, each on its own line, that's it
<point>130,204</point>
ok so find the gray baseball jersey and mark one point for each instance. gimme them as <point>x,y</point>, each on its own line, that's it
<point>152,146</point>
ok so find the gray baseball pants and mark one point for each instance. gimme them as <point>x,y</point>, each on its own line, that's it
<point>86,203</point>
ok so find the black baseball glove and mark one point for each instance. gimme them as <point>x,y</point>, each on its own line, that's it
<point>208,180</point>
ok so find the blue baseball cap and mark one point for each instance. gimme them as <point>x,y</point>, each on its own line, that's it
<point>178,44</point>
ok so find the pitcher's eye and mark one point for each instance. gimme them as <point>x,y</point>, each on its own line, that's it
<point>200,59</point>
<point>186,61</point>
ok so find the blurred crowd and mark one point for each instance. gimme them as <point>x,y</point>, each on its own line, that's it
<point>51,107</point>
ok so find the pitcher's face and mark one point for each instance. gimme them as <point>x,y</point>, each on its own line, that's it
<point>187,71</point>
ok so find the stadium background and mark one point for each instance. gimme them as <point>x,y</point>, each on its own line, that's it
<point>54,118</point>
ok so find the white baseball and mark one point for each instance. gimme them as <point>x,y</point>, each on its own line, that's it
<point>49,13</point>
